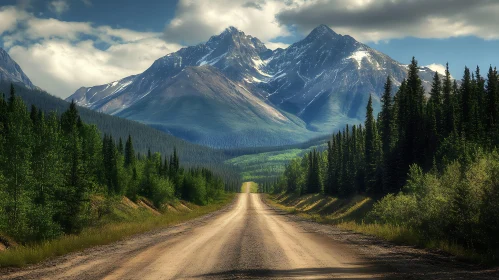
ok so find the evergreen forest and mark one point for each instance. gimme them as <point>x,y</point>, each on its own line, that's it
<point>54,166</point>
<point>430,159</point>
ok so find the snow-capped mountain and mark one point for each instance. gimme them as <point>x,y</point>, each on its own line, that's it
<point>321,82</point>
<point>11,72</point>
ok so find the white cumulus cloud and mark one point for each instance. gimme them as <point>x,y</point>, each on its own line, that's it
<point>56,58</point>
<point>440,68</point>
<point>196,21</point>
<point>9,18</point>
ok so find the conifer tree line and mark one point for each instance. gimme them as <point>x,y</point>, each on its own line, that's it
<point>430,160</point>
<point>430,130</point>
<point>52,167</point>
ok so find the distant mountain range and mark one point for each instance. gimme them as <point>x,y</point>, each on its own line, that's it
<point>144,137</point>
<point>233,91</point>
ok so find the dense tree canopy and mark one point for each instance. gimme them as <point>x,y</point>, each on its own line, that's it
<point>51,167</point>
<point>450,131</point>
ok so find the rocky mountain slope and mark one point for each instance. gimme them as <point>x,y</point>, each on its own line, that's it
<point>232,91</point>
<point>10,71</point>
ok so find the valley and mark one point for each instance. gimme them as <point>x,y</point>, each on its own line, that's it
<point>233,92</point>
<point>234,139</point>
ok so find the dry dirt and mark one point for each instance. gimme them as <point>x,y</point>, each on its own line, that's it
<point>250,240</point>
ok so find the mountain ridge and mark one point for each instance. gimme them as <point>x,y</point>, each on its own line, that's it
<point>12,72</point>
<point>323,81</point>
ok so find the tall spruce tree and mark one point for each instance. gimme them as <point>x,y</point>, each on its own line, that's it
<point>386,131</point>
<point>370,147</point>
<point>386,117</point>
<point>467,104</point>
<point>492,105</point>
<point>18,143</point>
<point>129,153</point>
<point>448,108</point>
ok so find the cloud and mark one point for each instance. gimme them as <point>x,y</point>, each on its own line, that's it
<point>59,6</point>
<point>10,18</point>
<point>369,20</point>
<point>437,68</point>
<point>273,46</point>
<point>61,56</point>
<point>61,67</point>
<point>196,21</point>
<point>52,28</point>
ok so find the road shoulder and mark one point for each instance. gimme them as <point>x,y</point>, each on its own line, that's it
<point>407,262</point>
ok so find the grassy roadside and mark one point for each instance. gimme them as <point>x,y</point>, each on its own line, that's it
<point>349,214</point>
<point>101,235</point>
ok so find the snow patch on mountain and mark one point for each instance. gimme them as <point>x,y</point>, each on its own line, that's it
<point>359,56</point>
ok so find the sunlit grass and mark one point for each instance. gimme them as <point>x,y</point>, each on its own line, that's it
<point>406,236</point>
<point>101,235</point>
<point>349,214</point>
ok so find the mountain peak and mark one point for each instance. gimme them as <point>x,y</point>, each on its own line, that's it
<point>322,30</point>
<point>11,71</point>
<point>231,30</point>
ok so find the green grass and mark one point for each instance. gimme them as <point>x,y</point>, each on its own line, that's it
<point>264,165</point>
<point>407,236</point>
<point>350,213</point>
<point>102,234</point>
<point>324,209</point>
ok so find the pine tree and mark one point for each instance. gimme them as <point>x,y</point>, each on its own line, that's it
<point>329,185</point>
<point>492,105</point>
<point>120,146</point>
<point>110,156</point>
<point>370,147</point>
<point>449,116</point>
<point>415,129</point>
<point>436,101</point>
<point>129,153</point>
<point>386,118</point>
<point>17,157</point>
<point>73,207</point>
<point>466,104</point>
<point>479,114</point>
<point>69,119</point>
<point>386,131</point>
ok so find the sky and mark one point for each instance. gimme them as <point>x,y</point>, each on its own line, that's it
<point>63,45</point>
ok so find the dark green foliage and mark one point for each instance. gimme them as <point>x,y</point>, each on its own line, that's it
<point>129,153</point>
<point>52,167</point>
<point>371,151</point>
<point>410,129</point>
<point>314,180</point>
<point>144,137</point>
<point>449,106</point>
<point>445,136</point>
<point>492,110</point>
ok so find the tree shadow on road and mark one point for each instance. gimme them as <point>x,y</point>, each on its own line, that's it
<point>365,272</point>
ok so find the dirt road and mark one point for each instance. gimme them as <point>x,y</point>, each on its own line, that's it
<point>247,240</point>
